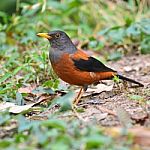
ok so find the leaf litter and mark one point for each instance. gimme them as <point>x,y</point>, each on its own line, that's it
<point>112,106</point>
<point>100,95</point>
<point>103,104</point>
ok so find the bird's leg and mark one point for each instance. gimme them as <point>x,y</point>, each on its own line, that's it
<point>77,99</point>
<point>81,92</point>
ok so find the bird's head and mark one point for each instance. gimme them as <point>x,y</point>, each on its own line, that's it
<point>58,40</point>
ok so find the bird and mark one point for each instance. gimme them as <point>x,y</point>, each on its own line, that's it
<point>75,66</point>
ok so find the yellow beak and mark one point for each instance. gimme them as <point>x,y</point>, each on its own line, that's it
<point>44,35</point>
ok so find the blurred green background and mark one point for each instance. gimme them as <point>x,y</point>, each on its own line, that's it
<point>119,21</point>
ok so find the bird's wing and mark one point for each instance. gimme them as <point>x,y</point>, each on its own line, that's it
<point>86,63</point>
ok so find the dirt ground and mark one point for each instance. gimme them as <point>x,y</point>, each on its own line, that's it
<point>108,108</point>
<point>112,105</point>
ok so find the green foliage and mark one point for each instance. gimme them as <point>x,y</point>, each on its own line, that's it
<point>65,101</point>
<point>115,55</point>
<point>137,33</point>
<point>4,117</point>
<point>116,79</point>
<point>139,98</point>
<point>56,134</point>
<point>136,97</point>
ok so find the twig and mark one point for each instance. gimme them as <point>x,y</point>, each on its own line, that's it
<point>77,115</point>
<point>103,109</point>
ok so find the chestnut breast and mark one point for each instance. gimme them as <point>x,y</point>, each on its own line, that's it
<point>65,69</point>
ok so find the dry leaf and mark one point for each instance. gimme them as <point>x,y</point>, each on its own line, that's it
<point>13,108</point>
<point>27,89</point>
<point>97,89</point>
<point>127,68</point>
<point>100,88</point>
<point>6,105</point>
<point>16,109</point>
<point>19,109</point>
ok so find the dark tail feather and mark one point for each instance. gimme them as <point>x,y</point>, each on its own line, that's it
<point>130,80</point>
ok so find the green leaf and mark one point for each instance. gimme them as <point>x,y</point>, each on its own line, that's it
<point>19,99</point>
<point>65,101</point>
<point>115,56</point>
<point>43,90</point>
<point>145,45</point>
<point>96,45</point>
<point>53,123</point>
<point>145,26</point>
<point>8,75</point>
<point>17,70</point>
<point>5,77</point>
<point>51,84</point>
<point>116,79</point>
<point>5,143</point>
<point>20,137</point>
<point>4,117</point>
<point>134,30</point>
<point>25,124</point>
<point>96,141</point>
<point>2,37</point>
<point>135,97</point>
<point>59,145</point>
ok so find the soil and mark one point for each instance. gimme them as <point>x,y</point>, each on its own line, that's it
<point>119,100</point>
<point>117,107</point>
<point>110,105</point>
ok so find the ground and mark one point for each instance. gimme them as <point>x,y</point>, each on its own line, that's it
<point>106,105</point>
<point>104,108</point>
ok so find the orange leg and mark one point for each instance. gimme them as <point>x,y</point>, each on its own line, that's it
<point>77,99</point>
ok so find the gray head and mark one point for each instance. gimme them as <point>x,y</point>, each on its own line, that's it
<point>59,41</point>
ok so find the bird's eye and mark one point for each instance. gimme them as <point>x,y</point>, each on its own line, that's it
<point>57,35</point>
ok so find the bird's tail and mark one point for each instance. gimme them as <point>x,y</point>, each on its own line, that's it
<point>130,80</point>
